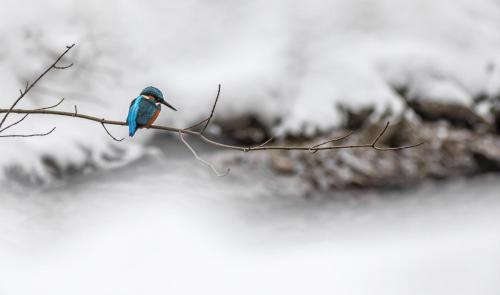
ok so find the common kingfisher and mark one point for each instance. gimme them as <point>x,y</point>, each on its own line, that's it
<point>145,108</point>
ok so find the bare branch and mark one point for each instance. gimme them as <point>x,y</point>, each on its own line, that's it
<point>314,147</point>
<point>52,106</point>
<point>380,135</point>
<point>29,135</point>
<point>30,86</point>
<point>197,124</point>
<point>109,133</point>
<point>216,143</point>
<point>24,117</point>
<point>63,67</point>
<point>264,143</point>
<point>200,159</point>
<point>14,124</point>
<point>207,120</point>
<point>404,147</point>
<point>377,139</point>
<point>212,112</point>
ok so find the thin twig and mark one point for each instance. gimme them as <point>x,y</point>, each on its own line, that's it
<point>29,135</point>
<point>24,117</point>
<point>30,86</point>
<point>264,143</point>
<point>212,112</point>
<point>52,106</point>
<point>200,159</point>
<point>380,134</point>
<point>206,121</point>
<point>377,139</point>
<point>109,133</point>
<point>314,147</point>
<point>196,125</point>
<point>63,67</point>
<point>14,124</point>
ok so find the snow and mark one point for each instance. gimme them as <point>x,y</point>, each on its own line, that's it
<point>293,60</point>
<point>176,229</point>
<point>439,90</point>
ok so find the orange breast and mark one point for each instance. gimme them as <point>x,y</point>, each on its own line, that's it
<point>153,119</point>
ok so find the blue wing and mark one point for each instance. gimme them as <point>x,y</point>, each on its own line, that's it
<point>147,110</point>
<point>132,115</point>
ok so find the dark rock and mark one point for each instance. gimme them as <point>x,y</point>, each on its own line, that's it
<point>245,130</point>
<point>457,114</point>
<point>486,153</point>
<point>355,119</point>
<point>448,152</point>
<point>495,111</point>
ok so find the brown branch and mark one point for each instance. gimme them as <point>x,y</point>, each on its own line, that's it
<point>207,120</point>
<point>109,133</point>
<point>29,135</point>
<point>30,86</point>
<point>314,147</point>
<point>196,125</point>
<point>52,106</point>
<point>372,145</point>
<point>63,67</point>
<point>14,124</point>
<point>24,117</point>
<point>265,142</point>
<point>380,134</point>
<point>212,112</point>
<point>377,139</point>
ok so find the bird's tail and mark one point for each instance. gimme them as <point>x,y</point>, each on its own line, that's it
<point>132,116</point>
<point>132,128</point>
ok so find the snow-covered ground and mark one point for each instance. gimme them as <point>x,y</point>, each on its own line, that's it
<point>295,60</point>
<point>166,227</point>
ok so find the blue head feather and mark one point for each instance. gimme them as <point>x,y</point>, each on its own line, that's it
<point>156,93</point>
<point>153,91</point>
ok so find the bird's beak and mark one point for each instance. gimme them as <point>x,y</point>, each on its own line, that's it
<point>168,105</point>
